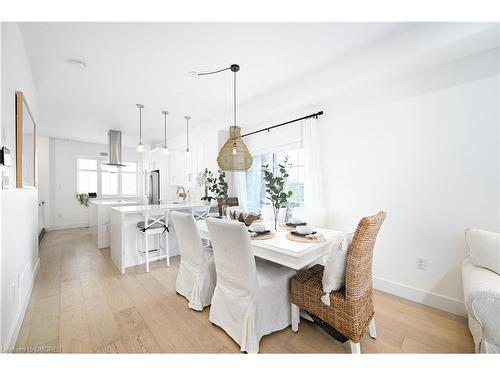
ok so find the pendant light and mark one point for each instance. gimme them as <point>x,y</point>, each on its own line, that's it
<point>140,146</point>
<point>234,155</point>
<point>187,135</point>
<point>165,148</point>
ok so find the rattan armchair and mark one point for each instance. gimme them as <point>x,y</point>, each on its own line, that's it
<point>351,308</point>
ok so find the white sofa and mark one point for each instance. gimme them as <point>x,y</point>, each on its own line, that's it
<point>481,283</point>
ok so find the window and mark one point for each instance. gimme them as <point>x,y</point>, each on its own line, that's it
<point>94,176</point>
<point>87,176</point>
<point>256,190</point>
<point>109,180</point>
<point>129,179</point>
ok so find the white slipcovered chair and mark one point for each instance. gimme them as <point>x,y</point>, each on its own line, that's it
<point>481,283</point>
<point>251,298</point>
<point>196,275</point>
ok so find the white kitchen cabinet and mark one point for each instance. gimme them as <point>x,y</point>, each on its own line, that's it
<point>177,167</point>
<point>184,170</point>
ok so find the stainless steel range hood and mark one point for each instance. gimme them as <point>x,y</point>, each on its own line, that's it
<point>115,148</point>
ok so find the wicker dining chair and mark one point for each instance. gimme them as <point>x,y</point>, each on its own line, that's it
<point>351,308</point>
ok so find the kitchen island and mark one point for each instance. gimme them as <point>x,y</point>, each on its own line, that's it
<point>100,219</point>
<point>123,230</point>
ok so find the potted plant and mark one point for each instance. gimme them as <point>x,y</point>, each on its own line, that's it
<point>83,198</point>
<point>205,179</point>
<point>275,188</point>
<point>219,187</point>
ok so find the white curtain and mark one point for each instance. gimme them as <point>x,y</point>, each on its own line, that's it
<point>240,189</point>
<point>314,196</point>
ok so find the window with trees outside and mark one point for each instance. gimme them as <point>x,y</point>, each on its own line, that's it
<point>95,176</point>
<point>256,190</point>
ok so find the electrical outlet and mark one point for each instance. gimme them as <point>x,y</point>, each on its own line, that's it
<point>422,264</point>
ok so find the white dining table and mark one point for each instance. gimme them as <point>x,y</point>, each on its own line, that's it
<point>280,250</point>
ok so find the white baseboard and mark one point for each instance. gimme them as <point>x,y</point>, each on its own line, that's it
<point>15,332</point>
<point>66,226</point>
<point>424,297</point>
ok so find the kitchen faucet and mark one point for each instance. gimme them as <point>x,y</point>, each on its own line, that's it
<point>183,194</point>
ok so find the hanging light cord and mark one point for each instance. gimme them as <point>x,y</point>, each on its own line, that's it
<point>234,68</point>
<point>234,108</point>
<point>211,72</point>
<point>187,133</point>
<point>165,130</point>
<point>140,125</point>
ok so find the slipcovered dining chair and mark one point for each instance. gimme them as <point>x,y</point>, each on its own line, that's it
<point>251,298</point>
<point>351,308</point>
<point>196,275</point>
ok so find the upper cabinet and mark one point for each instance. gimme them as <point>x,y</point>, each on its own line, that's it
<point>177,167</point>
<point>183,170</point>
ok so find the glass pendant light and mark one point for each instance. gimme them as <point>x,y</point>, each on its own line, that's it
<point>188,151</point>
<point>234,155</point>
<point>165,148</point>
<point>140,146</point>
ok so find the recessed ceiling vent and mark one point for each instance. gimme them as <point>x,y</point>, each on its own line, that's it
<point>115,148</point>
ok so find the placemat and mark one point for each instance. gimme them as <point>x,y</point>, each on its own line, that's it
<point>319,238</point>
<point>287,227</point>
<point>266,236</point>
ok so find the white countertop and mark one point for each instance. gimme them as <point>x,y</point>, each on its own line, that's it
<point>111,202</point>
<point>157,207</point>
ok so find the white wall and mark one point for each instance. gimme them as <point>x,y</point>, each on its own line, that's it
<point>65,210</point>
<point>410,127</point>
<point>43,173</point>
<point>19,206</point>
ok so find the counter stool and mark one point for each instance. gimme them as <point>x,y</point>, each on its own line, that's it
<point>200,213</point>
<point>157,225</point>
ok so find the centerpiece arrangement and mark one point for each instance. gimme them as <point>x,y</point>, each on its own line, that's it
<point>205,179</point>
<point>275,187</point>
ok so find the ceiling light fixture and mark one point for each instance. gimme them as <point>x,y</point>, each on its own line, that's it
<point>140,146</point>
<point>234,154</point>
<point>187,135</point>
<point>165,148</point>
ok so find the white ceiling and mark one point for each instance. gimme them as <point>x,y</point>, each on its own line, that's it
<point>148,63</point>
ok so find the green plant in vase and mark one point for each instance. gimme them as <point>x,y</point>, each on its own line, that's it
<point>275,188</point>
<point>83,198</point>
<point>219,187</point>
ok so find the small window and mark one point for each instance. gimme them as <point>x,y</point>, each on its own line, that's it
<point>87,176</point>
<point>256,190</point>
<point>129,179</point>
<point>109,180</point>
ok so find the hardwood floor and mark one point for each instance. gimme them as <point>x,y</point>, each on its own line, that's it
<point>81,304</point>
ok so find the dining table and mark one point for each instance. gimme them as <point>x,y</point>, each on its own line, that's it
<point>283,251</point>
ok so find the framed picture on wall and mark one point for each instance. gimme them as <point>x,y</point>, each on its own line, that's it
<point>25,144</point>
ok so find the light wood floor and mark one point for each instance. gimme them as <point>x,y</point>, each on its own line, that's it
<point>82,304</point>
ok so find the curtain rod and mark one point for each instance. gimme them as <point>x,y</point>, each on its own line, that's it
<point>315,115</point>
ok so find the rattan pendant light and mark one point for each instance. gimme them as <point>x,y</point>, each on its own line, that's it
<point>234,155</point>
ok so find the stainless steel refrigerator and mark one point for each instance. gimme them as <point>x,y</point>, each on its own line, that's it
<point>154,187</point>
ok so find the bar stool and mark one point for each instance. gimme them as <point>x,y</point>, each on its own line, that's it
<point>153,225</point>
<point>200,213</point>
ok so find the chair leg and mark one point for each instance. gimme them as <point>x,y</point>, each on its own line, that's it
<point>355,347</point>
<point>295,317</point>
<point>372,328</point>
<point>146,251</point>
<point>167,249</point>
<point>137,248</point>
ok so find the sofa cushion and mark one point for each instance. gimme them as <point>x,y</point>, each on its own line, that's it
<point>484,248</point>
